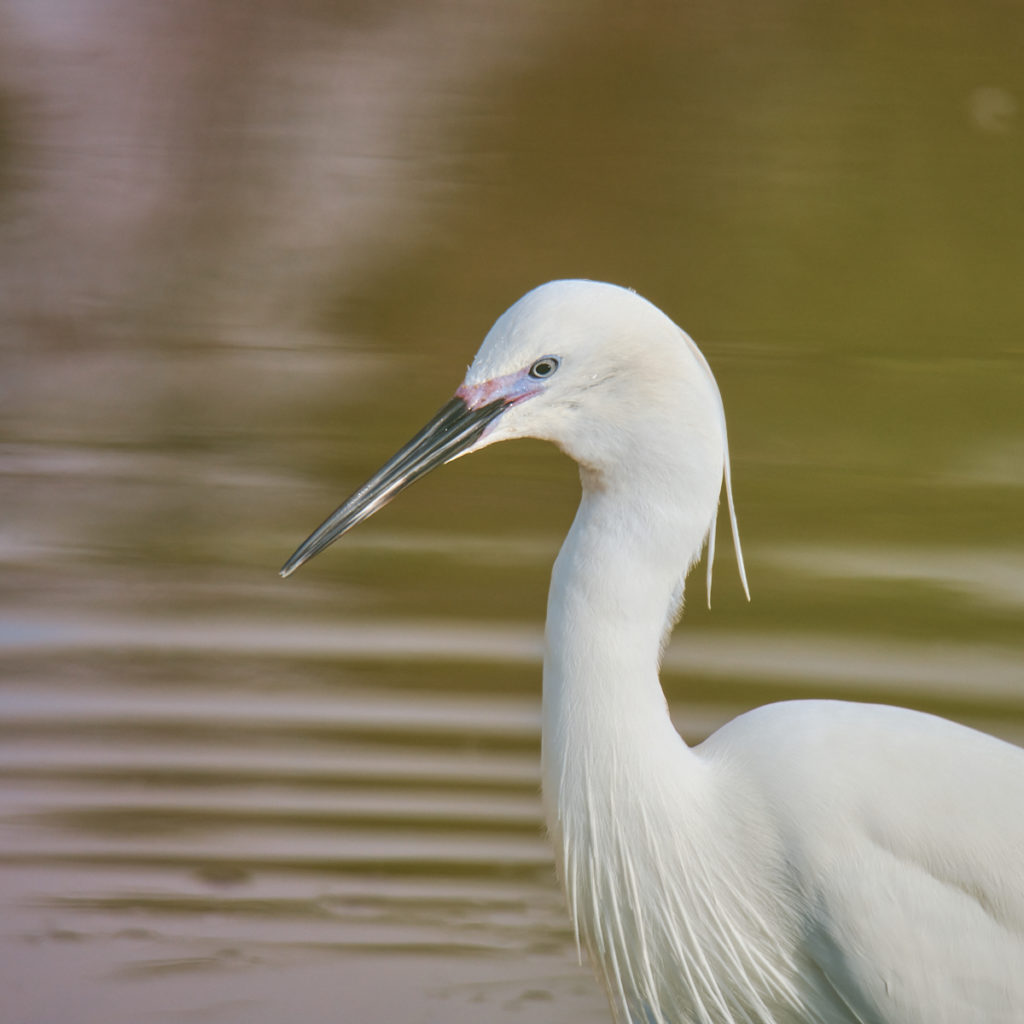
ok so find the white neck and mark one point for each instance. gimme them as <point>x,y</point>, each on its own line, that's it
<point>613,764</point>
<point>614,586</point>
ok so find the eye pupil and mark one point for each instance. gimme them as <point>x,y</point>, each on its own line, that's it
<point>544,367</point>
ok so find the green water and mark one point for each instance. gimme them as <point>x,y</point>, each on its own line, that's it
<point>246,251</point>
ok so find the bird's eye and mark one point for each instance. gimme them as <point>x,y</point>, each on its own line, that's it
<point>544,367</point>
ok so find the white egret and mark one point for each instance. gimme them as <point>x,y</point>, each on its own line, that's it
<point>812,861</point>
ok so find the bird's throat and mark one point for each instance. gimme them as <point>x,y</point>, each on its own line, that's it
<point>614,584</point>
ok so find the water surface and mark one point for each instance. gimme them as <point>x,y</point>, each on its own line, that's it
<point>246,252</point>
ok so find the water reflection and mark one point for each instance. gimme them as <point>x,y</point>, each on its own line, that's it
<point>246,250</point>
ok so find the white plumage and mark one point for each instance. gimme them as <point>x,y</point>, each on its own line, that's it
<point>812,861</point>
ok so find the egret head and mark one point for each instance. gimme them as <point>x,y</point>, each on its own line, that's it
<point>592,367</point>
<point>602,373</point>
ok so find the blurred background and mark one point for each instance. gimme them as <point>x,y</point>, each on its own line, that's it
<point>246,249</point>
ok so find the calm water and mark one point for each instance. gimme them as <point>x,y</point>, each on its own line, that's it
<point>245,250</point>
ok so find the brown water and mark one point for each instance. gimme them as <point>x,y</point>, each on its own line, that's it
<point>245,250</point>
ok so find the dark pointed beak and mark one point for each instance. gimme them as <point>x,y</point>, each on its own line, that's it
<point>455,428</point>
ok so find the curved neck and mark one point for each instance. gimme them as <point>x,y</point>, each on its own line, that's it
<point>614,587</point>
